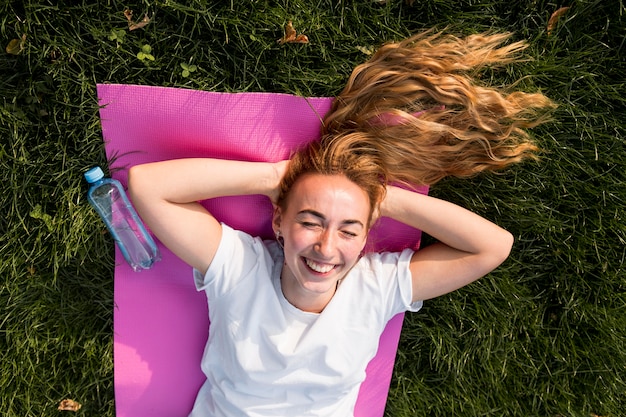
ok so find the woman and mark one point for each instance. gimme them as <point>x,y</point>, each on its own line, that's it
<point>295,322</point>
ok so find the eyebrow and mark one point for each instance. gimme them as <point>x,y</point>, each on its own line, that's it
<point>319,215</point>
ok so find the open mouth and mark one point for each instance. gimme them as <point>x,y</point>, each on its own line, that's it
<point>318,267</point>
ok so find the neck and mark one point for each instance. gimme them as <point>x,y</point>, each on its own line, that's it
<point>303,300</point>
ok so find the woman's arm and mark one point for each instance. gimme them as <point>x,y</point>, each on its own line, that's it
<point>166,196</point>
<point>469,246</point>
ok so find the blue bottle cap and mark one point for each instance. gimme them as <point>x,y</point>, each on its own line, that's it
<point>94,174</point>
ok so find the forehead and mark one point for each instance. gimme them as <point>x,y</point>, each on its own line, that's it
<point>329,195</point>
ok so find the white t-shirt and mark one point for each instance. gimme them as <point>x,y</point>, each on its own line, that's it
<point>265,357</point>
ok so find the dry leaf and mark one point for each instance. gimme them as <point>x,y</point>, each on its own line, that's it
<point>141,24</point>
<point>367,50</point>
<point>129,15</point>
<point>135,25</point>
<point>291,37</point>
<point>69,405</point>
<point>555,18</point>
<point>290,33</point>
<point>16,46</point>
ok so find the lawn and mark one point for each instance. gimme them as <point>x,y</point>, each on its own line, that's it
<point>543,335</point>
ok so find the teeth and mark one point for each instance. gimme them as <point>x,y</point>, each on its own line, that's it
<point>322,269</point>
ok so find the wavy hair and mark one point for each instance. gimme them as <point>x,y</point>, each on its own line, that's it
<point>418,110</point>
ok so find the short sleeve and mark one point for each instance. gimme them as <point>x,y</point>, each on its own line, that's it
<point>237,254</point>
<point>405,282</point>
<point>394,281</point>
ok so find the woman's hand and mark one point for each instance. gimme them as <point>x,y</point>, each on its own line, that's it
<point>279,169</point>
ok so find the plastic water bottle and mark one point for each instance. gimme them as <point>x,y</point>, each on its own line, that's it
<point>109,199</point>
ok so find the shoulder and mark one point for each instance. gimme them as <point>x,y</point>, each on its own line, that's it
<point>384,269</point>
<point>386,262</point>
<point>386,277</point>
<point>238,256</point>
<point>236,242</point>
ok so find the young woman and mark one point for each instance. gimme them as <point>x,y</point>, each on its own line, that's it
<point>294,322</point>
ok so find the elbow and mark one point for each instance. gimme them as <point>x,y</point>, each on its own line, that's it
<point>132,181</point>
<point>136,182</point>
<point>503,248</point>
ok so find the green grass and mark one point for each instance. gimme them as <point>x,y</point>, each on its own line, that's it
<point>541,336</point>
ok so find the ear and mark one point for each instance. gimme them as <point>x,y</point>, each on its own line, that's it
<point>277,218</point>
<point>375,217</point>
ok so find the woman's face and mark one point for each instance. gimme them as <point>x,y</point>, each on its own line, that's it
<point>324,226</point>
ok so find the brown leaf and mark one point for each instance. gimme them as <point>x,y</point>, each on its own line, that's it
<point>555,18</point>
<point>301,39</point>
<point>129,15</point>
<point>291,37</point>
<point>16,46</point>
<point>135,25</point>
<point>69,405</point>
<point>141,24</point>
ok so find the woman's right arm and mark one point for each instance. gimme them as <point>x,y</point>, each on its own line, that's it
<point>166,196</point>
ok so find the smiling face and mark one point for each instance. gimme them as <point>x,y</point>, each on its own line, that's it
<point>324,224</point>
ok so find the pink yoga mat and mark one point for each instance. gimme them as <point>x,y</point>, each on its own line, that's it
<point>160,320</point>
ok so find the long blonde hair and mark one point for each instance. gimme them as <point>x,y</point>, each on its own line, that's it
<point>418,110</point>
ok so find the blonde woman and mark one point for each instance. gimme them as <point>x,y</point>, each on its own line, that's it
<point>295,321</point>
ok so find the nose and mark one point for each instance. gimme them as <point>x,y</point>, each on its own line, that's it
<point>326,243</point>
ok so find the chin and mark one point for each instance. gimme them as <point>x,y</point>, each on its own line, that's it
<point>320,285</point>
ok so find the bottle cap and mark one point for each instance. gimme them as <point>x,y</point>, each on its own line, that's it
<point>94,174</point>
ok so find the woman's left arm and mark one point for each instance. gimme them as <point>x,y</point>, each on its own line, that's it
<point>468,246</point>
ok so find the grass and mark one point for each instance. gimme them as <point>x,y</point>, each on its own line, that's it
<point>543,335</point>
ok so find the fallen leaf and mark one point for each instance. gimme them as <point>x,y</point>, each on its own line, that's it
<point>367,50</point>
<point>16,46</point>
<point>135,25</point>
<point>555,18</point>
<point>13,47</point>
<point>69,405</point>
<point>141,24</point>
<point>291,37</point>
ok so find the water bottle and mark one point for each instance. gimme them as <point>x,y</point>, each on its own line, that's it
<point>109,199</point>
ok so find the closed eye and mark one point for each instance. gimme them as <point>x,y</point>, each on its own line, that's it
<point>349,234</point>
